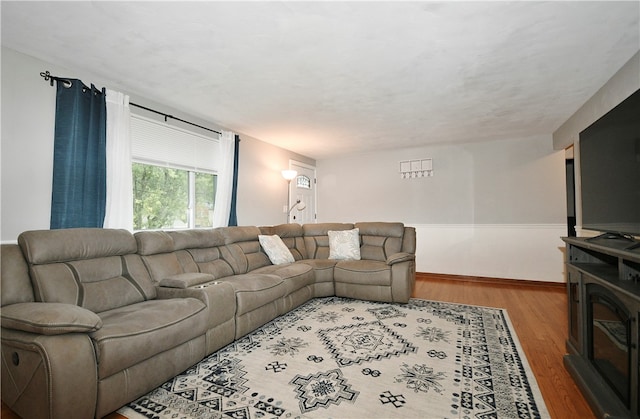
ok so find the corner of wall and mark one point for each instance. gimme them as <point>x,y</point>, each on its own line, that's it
<point>620,86</point>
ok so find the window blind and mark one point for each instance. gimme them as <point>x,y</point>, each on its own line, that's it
<point>163,144</point>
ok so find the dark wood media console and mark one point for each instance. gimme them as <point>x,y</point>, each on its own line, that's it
<point>603,286</point>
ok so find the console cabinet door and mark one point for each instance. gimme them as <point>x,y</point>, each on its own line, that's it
<point>574,296</point>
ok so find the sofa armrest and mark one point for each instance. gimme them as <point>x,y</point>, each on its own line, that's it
<point>400,257</point>
<point>220,299</point>
<point>49,376</point>
<point>49,318</point>
<point>219,296</point>
<point>186,280</point>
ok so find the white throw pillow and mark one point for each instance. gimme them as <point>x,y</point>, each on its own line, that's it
<point>275,248</point>
<point>344,245</point>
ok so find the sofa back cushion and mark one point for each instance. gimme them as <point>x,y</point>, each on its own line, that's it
<point>293,237</point>
<point>316,238</point>
<point>156,249</point>
<point>242,249</point>
<point>93,268</point>
<point>200,251</point>
<point>380,240</point>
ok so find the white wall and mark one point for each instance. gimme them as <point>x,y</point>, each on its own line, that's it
<point>27,145</point>
<point>262,189</point>
<point>513,251</point>
<point>28,115</point>
<point>619,87</point>
<point>495,208</point>
<point>492,209</point>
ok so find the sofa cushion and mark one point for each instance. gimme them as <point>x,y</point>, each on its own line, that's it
<point>235,234</point>
<point>139,331</point>
<point>153,242</point>
<point>207,261</point>
<point>186,280</point>
<point>156,250</point>
<point>255,290</point>
<point>323,268</point>
<point>316,238</point>
<point>90,267</point>
<point>196,238</point>
<point>242,249</point>
<point>50,246</point>
<point>275,248</point>
<point>317,247</point>
<point>295,275</point>
<point>293,237</point>
<point>162,265</point>
<point>380,240</point>
<point>97,284</point>
<point>369,272</point>
<point>344,245</point>
<point>199,251</point>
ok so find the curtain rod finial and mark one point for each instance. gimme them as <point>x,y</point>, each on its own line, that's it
<point>47,76</point>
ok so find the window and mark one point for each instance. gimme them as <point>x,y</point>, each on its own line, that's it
<point>169,198</point>
<point>303,182</point>
<point>174,176</point>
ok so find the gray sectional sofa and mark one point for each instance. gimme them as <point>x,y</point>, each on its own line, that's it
<point>95,318</point>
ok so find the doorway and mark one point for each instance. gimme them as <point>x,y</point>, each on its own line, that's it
<point>570,178</point>
<point>303,189</point>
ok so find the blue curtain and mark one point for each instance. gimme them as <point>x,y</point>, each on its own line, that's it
<point>79,162</point>
<point>233,216</point>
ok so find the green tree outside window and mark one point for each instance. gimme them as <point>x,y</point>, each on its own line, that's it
<point>161,198</point>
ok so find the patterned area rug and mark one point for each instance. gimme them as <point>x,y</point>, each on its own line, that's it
<point>342,358</point>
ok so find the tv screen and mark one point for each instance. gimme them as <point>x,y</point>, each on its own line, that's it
<point>610,170</point>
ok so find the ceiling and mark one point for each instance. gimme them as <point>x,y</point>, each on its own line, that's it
<point>328,78</point>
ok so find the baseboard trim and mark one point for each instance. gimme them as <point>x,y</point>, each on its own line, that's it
<point>492,281</point>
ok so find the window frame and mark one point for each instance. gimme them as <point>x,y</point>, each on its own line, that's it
<point>191,192</point>
<point>186,146</point>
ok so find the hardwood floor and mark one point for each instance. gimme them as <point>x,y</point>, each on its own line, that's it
<point>538,313</point>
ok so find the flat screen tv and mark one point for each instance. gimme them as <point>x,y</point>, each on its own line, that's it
<point>610,170</point>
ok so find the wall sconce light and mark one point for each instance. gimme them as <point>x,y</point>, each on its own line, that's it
<point>289,175</point>
<point>416,168</point>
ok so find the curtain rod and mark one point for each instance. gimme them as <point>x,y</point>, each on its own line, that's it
<point>172,117</point>
<point>48,77</point>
